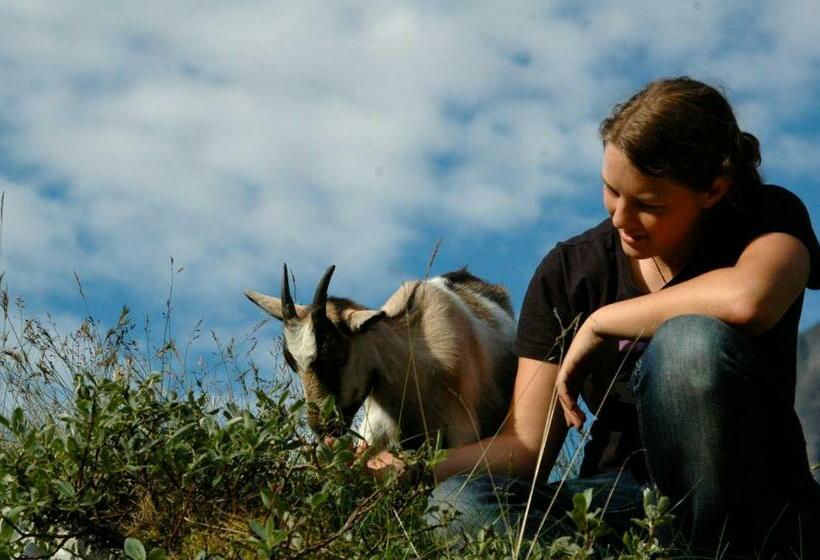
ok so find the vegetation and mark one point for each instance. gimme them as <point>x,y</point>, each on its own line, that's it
<point>105,446</point>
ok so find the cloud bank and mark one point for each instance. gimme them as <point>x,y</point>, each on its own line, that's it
<point>238,136</point>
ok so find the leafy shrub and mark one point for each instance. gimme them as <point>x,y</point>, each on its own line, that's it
<point>98,451</point>
<point>181,475</point>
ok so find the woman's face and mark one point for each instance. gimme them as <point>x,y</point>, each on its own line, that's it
<point>654,216</point>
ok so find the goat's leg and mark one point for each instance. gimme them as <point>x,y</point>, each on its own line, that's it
<point>377,427</point>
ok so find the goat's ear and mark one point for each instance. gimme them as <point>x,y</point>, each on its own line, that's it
<point>363,319</point>
<point>272,305</point>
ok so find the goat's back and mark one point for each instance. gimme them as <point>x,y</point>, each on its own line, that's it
<point>468,286</point>
<point>466,327</point>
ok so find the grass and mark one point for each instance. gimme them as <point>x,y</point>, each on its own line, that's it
<point>109,444</point>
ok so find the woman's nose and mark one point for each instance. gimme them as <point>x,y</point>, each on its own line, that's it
<point>620,214</point>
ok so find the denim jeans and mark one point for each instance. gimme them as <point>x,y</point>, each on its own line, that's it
<point>500,502</point>
<point>712,428</point>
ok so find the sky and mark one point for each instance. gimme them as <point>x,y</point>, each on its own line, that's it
<point>232,137</point>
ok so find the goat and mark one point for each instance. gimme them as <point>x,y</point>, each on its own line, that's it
<point>437,357</point>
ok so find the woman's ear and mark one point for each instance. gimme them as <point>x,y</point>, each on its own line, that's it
<point>720,186</point>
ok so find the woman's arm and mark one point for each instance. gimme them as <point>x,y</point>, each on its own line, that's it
<point>753,295</point>
<point>514,451</point>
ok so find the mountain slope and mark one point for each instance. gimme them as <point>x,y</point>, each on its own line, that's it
<point>807,398</point>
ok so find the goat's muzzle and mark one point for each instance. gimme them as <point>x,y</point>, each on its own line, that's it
<point>333,424</point>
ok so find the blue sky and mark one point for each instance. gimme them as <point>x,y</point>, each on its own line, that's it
<point>237,136</point>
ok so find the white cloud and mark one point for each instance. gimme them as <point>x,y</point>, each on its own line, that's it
<point>38,236</point>
<point>236,136</point>
<point>798,154</point>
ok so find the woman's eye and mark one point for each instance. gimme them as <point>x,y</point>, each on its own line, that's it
<point>650,207</point>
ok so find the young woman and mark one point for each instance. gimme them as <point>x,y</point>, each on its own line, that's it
<point>676,319</point>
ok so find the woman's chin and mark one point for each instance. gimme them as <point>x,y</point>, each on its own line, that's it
<point>635,250</point>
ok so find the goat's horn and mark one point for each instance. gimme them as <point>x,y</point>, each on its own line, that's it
<point>320,297</point>
<point>288,308</point>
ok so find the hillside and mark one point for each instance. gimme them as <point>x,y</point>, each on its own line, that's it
<point>808,391</point>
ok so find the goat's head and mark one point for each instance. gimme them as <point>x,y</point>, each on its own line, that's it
<point>317,340</point>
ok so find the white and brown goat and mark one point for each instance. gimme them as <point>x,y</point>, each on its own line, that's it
<point>437,357</point>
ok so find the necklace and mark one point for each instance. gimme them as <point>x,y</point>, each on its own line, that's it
<point>657,266</point>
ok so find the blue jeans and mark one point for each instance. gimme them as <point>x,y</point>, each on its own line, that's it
<point>715,430</point>
<point>500,502</point>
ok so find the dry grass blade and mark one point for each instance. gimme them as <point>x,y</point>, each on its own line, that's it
<point>580,447</point>
<point>80,286</point>
<point>2,209</point>
<point>432,259</point>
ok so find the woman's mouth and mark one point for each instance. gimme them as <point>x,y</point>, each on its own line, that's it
<point>631,238</point>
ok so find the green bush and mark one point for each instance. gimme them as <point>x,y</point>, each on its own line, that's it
<point>149,464</point>
<point>185,476</point>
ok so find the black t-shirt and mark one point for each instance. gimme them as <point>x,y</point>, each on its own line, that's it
<point>591,270</point>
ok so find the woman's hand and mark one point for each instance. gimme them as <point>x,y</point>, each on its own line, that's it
<point>378,464</point>
<point>383,463</point>
<point>584,351</point>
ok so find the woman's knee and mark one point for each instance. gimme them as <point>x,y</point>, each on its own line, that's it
<point>692,353</point>
<point>451,492</point>
<point>464,504</point>
<point>693,338</point>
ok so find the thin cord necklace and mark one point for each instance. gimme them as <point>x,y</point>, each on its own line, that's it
<point>665,281</point>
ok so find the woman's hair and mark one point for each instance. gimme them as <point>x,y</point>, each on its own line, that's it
<point>684,130</point>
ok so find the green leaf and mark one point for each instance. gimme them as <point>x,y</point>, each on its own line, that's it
<point>344,457</point>
<point>58,445</point>
<point>6,531</point>
<point>181,432</point>
<point>17,420</point>
<point>14,512</point>
<point>267,498</point>
<point>134,550</point>
<point>278,506</point>
<point>71,445</point>
<point>663,505</point>
<point>259,529</point>
<point>65,488</point>
<point>250,421</point>
<point>318,499</point>
<point>276,537</point>
<point>156,554</point>
<point>580,510</point>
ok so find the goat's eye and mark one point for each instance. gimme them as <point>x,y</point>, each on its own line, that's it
<point>341,355</point>
<point>335,352</point>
